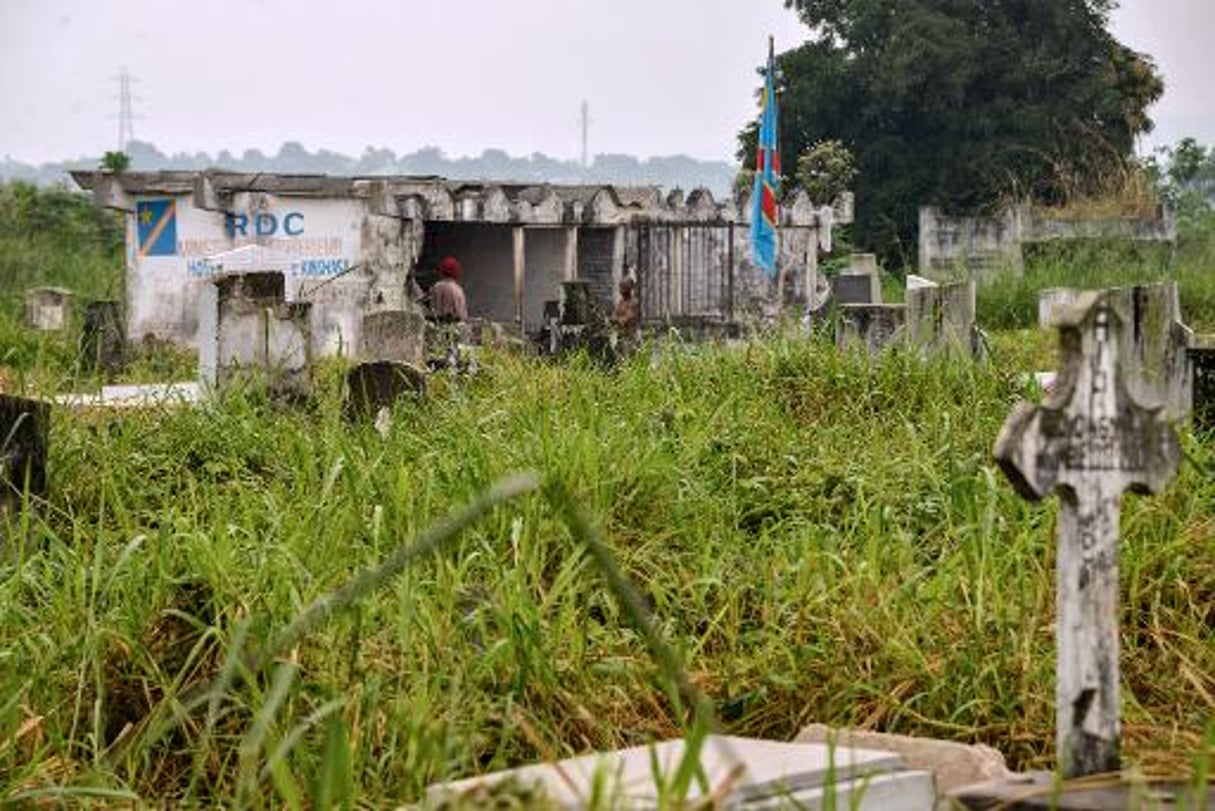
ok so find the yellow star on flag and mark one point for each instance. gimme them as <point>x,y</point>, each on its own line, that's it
<point>145,217</point>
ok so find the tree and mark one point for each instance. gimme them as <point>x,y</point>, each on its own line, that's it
<point>116,162</point>
<point>963,104</point>
<point>825,171</point>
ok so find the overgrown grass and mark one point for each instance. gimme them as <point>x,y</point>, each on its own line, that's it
<point>823,539</point>
<point>820,537</point>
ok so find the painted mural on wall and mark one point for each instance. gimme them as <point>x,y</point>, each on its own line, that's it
<point>177,247</point>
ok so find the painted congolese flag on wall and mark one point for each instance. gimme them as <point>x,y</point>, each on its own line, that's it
<point>156,224</point>
<point>767,176</point>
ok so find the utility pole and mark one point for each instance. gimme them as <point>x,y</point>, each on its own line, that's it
<point>586,128</point>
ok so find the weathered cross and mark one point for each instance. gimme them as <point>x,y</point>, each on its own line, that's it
<point>1090,443</point>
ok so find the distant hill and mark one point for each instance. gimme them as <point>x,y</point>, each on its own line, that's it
<point>675,171</point>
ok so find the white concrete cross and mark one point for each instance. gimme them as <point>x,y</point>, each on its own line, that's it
<point>1090,443</point>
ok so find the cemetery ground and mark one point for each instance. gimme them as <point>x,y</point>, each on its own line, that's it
<point>821,537</point>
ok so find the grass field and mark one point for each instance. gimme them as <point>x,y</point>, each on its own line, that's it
<point>820,538</point>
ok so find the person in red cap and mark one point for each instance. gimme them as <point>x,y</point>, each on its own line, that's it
<point>447,302</point>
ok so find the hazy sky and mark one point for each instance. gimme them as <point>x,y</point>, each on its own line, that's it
<point>661,76</point>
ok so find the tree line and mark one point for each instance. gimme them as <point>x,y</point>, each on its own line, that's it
<point>673,171</point>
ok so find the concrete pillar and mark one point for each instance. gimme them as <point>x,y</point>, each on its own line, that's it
<point>570,270</point>
<point>519,265</point>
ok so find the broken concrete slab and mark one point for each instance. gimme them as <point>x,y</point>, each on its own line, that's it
<point>25,427</point>
<point>147,395</point>
<point>954,765</point>
<point>749,773</point>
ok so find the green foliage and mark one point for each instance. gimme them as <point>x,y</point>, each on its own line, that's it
<point>776,504</point>
<point>116,162</point>
<point>825,171</point>
<point>57,237</point>
<point>1185,175</point>
<point>962,104</point>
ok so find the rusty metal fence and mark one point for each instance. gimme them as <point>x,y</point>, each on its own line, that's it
<point>685,271</point>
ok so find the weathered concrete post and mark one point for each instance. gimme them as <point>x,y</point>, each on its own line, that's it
<point>1089,443</point>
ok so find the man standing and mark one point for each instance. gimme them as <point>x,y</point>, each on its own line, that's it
<point>627,315</point>
<point>447,302</point>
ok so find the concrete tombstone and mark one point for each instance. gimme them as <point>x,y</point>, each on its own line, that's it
<point>49,309</point>
<point>942,318</point>
<point>872,326</point>
<point>246,327</point>
<point>394,335</point>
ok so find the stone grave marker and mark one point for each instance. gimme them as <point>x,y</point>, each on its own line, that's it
<point>394,335</point>
<point>860,283</point>
<point>872,326</point>
<point>25,427</point>
<point>1090,442</point>
<point>49,309</point>
<point>941,318</point>
<point>102,345</point>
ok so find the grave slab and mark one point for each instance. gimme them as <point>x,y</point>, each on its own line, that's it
<point>953,765</point>
<point>750,773</point>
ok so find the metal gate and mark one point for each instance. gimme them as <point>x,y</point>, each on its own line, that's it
<point>685,271</point>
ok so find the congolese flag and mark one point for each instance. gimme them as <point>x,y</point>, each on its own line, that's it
<point>156,225</point>
<point>767,177</point>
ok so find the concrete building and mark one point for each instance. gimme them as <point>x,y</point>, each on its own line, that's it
<point>351,246</point>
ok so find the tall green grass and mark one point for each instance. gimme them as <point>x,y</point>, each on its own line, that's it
<point>821,538</point>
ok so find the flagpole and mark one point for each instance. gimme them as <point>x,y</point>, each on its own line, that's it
<point>780,273</point>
